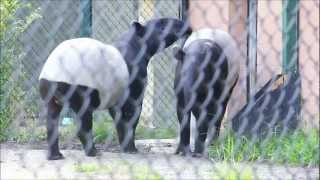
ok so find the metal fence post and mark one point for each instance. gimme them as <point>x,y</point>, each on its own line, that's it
<point>252,48</point>
<point>183,9</point>
<point>146,12</point>
<point>85,31</point>
<point>183,15</point>
<point>136,10</point>
<point>86,18</point>
<point>290,35</point>
<point>290,55</point>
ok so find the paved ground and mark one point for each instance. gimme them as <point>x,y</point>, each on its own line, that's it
<point>18,162</point>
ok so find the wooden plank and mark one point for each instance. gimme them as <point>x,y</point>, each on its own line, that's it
<point>238,14</point>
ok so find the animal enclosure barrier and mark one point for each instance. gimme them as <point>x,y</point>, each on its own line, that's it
<point>271,121</point>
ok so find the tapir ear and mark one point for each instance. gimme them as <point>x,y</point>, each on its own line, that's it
<point>139,28</point>
<point>178,53</point>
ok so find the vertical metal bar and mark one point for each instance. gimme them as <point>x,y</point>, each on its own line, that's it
<point>183,15</point>
<point>136,9</point>
<point>86,18</point>
<point>85,31</point>
<point>290,55</point>
<point>183,9</point>
<point>252,48</point>
<point>156,8</point>
<point>290,36</point>
<point>146,12</point>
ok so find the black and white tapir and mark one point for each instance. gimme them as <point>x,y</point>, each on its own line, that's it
<point>87,75</point>
<point>206,73</point>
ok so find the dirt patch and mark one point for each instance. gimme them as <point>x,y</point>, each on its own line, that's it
<point>144,146</point>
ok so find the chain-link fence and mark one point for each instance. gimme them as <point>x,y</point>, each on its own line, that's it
<point>241,91</point>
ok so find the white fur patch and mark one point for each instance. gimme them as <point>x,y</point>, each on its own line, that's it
<point>91,63</point>
<point>226,42</point>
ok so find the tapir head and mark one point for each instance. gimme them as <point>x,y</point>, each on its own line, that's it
<point>158,34</point>
<point>142,41</point>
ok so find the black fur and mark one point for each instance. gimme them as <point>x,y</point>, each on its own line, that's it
<point>200,88</point>
<point>137,46</point>
<point>137,51</point>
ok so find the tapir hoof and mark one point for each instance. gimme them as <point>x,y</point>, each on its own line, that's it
<point>56,156</point>
<point>200,154</point>
<point>130,150</point>
<point>183,151</point>
<point>92,152</point>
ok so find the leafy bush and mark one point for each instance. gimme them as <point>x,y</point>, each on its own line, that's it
<point>11,70</point>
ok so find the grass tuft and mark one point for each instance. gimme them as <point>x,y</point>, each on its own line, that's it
<point>232,171</point>
<point>104,131</point>
<point>119,169</point>
<point>294,148</point>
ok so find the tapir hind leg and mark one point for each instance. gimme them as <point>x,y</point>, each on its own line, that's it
<point>184,116</point>
<point>53,112</point>
<point>47,91</point>
<point>202,131</point>
<point>184,143</point>
<point>83,102</point>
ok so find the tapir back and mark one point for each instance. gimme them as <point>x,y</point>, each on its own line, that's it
<point>89,63</point>
<point>226,42</point>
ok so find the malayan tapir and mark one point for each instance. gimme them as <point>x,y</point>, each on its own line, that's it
<point>87,75</point>
<point>206,73</point>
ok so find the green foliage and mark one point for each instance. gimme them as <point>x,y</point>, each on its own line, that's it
<point>104,131</point>
<point>155,133</point>
<point>11,69</point>
<point>23,135</point>
<point>294,148</point>
<point>232,171</point>
<point>119,169</point>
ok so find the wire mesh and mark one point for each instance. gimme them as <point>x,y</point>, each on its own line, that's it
<point>186,108</point>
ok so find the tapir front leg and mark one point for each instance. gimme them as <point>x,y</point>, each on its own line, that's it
<point>126,120</point>
<point>126,115</point>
